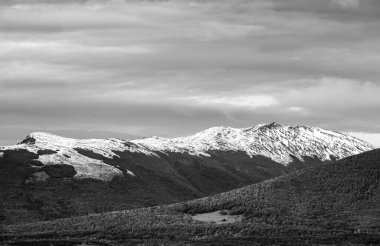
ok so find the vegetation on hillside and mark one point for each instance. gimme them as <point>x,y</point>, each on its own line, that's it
<point>328,204</point>
<point>157,181</point>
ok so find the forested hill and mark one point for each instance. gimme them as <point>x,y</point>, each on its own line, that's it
<point>350,185</point>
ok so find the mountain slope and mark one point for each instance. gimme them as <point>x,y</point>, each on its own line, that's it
<point>334,203</point>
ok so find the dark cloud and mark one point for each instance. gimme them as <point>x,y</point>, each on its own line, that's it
<point>31,84</point>
<point>55,19</point>
<point>34,2</point>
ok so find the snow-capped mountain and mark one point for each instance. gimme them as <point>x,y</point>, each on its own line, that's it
<point>271,140</point>
<point>279,143</point>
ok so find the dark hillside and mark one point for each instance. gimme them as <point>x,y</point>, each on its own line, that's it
<point>329,204</point>
<point>349,186</point>
<point>158,180</point>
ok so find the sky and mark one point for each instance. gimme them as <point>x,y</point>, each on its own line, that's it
<point>135,68</point>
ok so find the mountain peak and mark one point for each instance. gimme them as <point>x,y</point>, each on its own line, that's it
<point>263,126</point>
<point>272,124</point>
<point>44,137</point>
<point>32,137</point>
<point>268,125</point>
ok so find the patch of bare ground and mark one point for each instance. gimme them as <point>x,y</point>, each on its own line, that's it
<point>217,217</point>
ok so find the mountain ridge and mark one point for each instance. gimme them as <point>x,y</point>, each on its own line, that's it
<point>249,140</point>
<point>282,144</point>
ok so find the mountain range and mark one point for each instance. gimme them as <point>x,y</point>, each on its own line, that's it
<point>48,176</point>
<point>281,144</point>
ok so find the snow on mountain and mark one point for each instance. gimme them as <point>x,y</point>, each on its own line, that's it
<point>66,153</point>
<point>271,140</point>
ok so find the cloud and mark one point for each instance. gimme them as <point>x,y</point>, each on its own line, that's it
<point>231,102</point>
<point>369,137</point>
<point>336,102</point>
<point>175,67</point>
<point>337,92</point>
<point>345,4</point>
<point>342,10</point>
<point>53,18</point>
<point>295,109</point>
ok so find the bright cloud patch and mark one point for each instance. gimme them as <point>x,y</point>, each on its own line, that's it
<point>347,3</point>
<point>250,101</point>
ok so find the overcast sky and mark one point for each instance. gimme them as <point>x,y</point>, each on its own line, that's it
<point>171,68</point>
